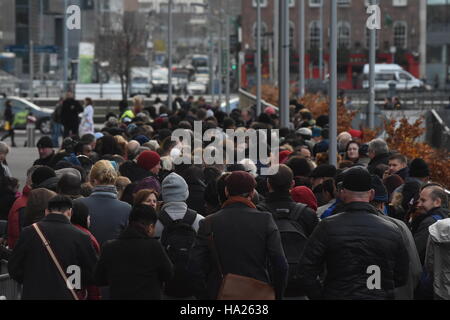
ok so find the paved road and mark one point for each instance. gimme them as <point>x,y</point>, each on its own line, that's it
<point>20,159</point>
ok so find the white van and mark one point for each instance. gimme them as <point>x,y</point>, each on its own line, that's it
<point>388,73</point>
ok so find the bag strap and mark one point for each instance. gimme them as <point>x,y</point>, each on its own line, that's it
<point>165,219</point>
<point>55,260</point>
<point>189,217</point>
<point>296,210</point>
<point>212,246</point>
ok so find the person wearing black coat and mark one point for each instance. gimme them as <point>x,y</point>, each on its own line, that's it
<point>279,197</point>
<point>431,202</point>
<point>194,177</point>
<point>71,108</point>
<point>30,263</point>
<point>352,246</point>
<point>132,171</point>
<point>8,190</point>
<point>245,240</point>
<point>135,266</point>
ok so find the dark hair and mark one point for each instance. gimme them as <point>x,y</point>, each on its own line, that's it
<point>69,184</point>
<point>59,203</point>
<point>282,180</point>
<point>89,101</point>
<point>329,187</point>
<point>143,214</point>
<point>221,184</point>
<point>348,146</point>
<point>80,214</point>
<point>127,195</point>
<point>37,203</point>
<point>80,146</point>
<point>87,138</point>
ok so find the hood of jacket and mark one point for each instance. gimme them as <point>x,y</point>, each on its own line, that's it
<point>50,184</point>
<point>440,231</point>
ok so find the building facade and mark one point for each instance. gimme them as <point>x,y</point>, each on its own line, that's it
<point>400,33</point>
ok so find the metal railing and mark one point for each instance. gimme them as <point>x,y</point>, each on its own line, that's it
<point>9,289</point>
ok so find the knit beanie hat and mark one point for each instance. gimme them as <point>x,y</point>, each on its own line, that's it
<point>174,188</point>
<point>45,142</point>
<point>381,193</point>
<point>419,169</point>
<point>324,171</point>
<point>41,174</point>
<point>148,159</point>
<point>240,182</point>
<point>304,195</point>
<point>357,179</point>
<point>141,139</point>
<point>148,183</point>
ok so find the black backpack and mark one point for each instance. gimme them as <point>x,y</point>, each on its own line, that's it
<point>293,239</point>
<point>177,239</point>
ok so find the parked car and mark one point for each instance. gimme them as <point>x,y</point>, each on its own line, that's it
<point>140,86</point>
<point>42,115</point>
<point>196,88</point>
<point>386,74</point>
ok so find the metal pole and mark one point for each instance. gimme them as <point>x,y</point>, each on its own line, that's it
<point>169,98</point>
<point>301,45</point>
<point>276,41</point>
<point>227,32</point>
<point>321,42</point>
<point>333,85</point>
<point>220,57</point>
<point>284,63</point>
<point>258,57</point>
<point>66,47</point>
<point>210,50</point>
<point>372,53</point>
<point>41,39</point>
<point>31,69</point>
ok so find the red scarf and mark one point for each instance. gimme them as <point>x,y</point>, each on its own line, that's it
<point>237,199</point>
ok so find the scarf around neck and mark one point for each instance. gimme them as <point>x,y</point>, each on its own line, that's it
<point>237,199</point>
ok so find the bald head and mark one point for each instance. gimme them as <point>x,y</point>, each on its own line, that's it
<point>432,197</point>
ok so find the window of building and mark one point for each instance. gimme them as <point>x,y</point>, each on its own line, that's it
<point>314,34</point>
<point>399,3</point>
<point>400,34</point>
<point>344,32</point>
<point>315,3</point>
<point>263,37</point>
<point>262,2</point>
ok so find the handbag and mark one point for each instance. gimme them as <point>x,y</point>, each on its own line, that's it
<point>238,287</point>
<point>54,259</point>
<point>7,126</point>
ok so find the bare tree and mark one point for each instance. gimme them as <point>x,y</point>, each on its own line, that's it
<point>121,45</point>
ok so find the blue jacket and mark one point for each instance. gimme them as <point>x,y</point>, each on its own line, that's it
<point>109,216</point>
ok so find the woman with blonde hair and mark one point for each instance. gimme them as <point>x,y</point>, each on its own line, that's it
<point>109,216</point>
<point>122,146</point>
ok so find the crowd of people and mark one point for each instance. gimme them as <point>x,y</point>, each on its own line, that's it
<point>140,226</point>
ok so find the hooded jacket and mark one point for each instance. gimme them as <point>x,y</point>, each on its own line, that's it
<point>437,261</point>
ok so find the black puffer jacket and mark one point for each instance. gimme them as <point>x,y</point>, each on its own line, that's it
<point>347,244</point>
<point>419,228</point>
<point>194,177</point>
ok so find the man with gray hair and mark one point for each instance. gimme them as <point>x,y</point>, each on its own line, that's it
<point>343,139</point>
<point>133,149</point>
<point>378,153</point>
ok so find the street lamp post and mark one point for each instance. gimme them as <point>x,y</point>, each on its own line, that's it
<point>301,45</point>
<point>372,60</point>
<point>169,98</point>
<point>227,26</point>
<point>220,59</point>
<point>284,63</point>
<point>210,52</point>
<point>333,85</point>
<point>258,57</point>
<point>321,41</point>
<point>66,47</point>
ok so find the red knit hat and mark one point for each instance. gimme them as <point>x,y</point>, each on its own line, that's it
<point>148,159</point>
<point>304,195</point>
<point>240,182</point>
<point>283,156</point>
<point>356,133</point>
